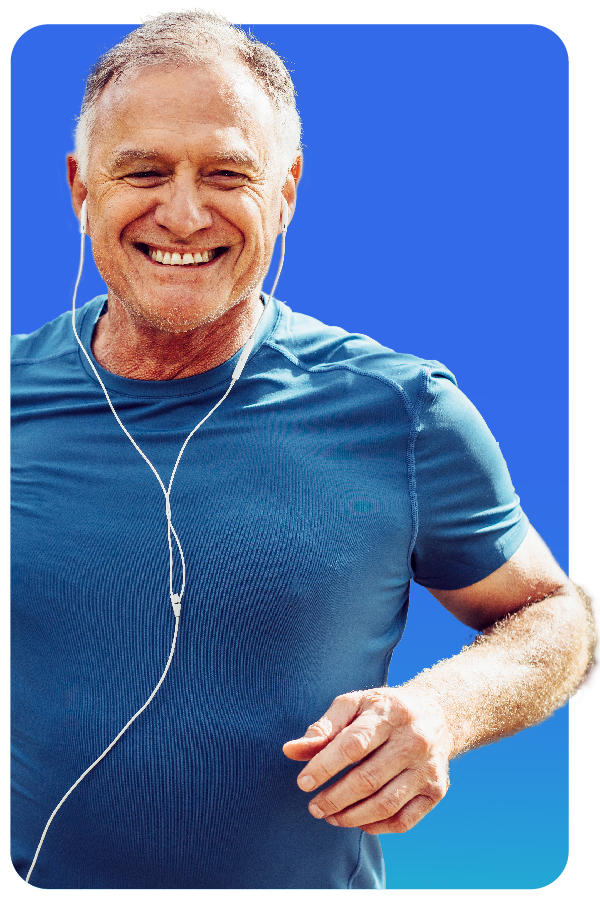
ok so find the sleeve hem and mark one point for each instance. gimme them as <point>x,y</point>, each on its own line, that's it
<point>465,576</point>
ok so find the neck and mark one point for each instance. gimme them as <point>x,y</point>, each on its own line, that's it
<point>125,346</point>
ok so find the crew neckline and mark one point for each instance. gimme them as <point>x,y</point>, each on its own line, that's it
<point>174,387</point>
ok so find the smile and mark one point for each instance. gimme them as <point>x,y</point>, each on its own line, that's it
<point>167,258</point>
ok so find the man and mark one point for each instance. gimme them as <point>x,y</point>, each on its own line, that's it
<point>332,473</point>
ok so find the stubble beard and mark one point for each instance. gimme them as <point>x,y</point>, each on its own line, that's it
<point>173,322</point>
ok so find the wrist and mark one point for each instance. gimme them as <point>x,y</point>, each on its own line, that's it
<point>429,709</point>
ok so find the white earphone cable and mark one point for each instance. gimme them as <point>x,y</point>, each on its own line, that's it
<point>175,598</point>
<point>108,749</point>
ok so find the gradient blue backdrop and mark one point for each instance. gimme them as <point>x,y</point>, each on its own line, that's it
<point>433,217</point>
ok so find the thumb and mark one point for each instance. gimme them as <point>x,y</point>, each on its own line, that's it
<point>342,711</point>
<point>316,737</point>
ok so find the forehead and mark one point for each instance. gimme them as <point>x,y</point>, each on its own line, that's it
<point>179,106</point>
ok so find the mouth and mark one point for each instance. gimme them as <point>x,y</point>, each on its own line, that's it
<point>181,258</point>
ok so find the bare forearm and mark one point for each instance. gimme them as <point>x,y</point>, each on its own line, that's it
<point>515,674</point>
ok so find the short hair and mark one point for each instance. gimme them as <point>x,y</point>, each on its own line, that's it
<point>193,37</point>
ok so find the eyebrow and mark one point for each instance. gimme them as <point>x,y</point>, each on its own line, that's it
<point>123,157</point>
<point>237,157</point>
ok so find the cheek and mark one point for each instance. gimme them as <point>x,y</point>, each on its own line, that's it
<point>253,219</point>
<point>261,236</point>
<point>115,213</point>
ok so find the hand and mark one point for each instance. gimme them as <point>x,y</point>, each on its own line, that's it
<point>404,745</point>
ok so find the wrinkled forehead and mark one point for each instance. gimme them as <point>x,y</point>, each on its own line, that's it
<point>215,93</point>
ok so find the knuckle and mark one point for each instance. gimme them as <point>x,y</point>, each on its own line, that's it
<point>350,699</point>
<point>414,811</point>
<point>401,825</point>
<point>385,806</point>
<point>354,745</point>
<point>380,704</point>
<point>343,818</point>
<point>365,780</point>
<point>321,772</point>
<point>433,784</point>
<point>389,701</point>
<point>419,743</point>
<point>384,705</point>
<point>328,805</point>
<point>436,791</point>
<point>319,728</point>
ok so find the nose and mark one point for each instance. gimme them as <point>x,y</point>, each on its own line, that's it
<point>183,212</point>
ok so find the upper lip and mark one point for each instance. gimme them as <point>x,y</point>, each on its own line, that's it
<point>181,250</point>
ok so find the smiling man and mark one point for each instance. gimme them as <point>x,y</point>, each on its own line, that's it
<point>266,484</point>
<point>185,182</point>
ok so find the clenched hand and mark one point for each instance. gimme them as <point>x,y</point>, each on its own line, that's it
<point>400,747</point>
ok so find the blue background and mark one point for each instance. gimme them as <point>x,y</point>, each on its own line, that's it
<point>432,216</point>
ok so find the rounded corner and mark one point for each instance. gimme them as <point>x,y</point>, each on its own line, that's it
<point>559,873</point>
<point>21,875</point>
<point>554,36</point>
<point>26,35</point>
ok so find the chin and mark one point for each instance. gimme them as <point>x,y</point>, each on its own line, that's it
<point>175,320</point>
<point>178,318</point>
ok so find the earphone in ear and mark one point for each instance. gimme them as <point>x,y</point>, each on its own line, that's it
<point>83,217</point>
<point>176,598</point>
<point>285,215</point>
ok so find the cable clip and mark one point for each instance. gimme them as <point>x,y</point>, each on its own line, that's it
<point>246,351</point>
<point>176,604</point>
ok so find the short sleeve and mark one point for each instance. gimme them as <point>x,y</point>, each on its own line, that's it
<point>469,519</point>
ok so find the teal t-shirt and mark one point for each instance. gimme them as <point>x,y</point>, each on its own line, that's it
<point>335,472</point>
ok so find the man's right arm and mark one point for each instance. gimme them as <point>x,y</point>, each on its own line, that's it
<point>524,666</point>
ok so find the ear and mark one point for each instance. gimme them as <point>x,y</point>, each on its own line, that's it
<point>76,185</point>
<point>290,187</point>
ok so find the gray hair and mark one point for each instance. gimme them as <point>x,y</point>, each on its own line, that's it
<point>192,37</point>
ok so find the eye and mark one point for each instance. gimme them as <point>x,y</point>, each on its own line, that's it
<point>226,178</point>
<point>149,178</point>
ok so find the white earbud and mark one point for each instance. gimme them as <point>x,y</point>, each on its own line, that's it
<point>285,215</point>
<point>83,217</point>
<point>176,598</point>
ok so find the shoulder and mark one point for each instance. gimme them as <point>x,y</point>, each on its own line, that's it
<point>319,348</point>
<point>52,340</point>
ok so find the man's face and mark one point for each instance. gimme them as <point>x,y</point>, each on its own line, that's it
<point>184,161</point>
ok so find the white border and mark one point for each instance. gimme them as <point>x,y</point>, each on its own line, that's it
<point>575,22</point>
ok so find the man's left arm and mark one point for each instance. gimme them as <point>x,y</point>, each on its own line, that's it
<point>536,645</point>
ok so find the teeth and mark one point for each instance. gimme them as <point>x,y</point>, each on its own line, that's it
<point>188,259</point>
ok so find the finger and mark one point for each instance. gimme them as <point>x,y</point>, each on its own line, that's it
<point>365,779</point>
<point>367,732</point>
<point>342,710</point>
<point>383,804</point>
<point>304,748</point>
<point>405,819</point>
